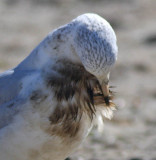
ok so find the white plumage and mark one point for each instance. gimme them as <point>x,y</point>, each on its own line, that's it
<point>50,101</point>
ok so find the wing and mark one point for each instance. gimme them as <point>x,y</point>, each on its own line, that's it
<point>15,86</point>
<point>11,83</point>
<point>9,86</point>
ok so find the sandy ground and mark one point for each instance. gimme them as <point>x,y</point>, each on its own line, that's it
<point>131,135</point>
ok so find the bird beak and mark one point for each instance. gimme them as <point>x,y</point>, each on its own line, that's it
<point>105,90</point>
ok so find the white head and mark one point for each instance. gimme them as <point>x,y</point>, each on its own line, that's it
<point>95,43</point>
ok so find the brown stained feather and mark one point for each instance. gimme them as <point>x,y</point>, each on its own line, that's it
<point>65,129</point>
<point>73,81</point>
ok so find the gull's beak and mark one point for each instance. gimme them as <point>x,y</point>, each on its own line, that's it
<point>105,90</point>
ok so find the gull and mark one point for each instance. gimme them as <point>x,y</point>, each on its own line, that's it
<point>52,99</point>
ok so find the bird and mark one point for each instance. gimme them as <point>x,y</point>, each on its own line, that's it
<point>51,100</point>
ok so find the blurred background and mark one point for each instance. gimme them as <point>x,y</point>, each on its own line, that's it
<point>131,134</point>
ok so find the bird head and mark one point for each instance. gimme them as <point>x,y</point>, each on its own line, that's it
<point>95,43</point>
